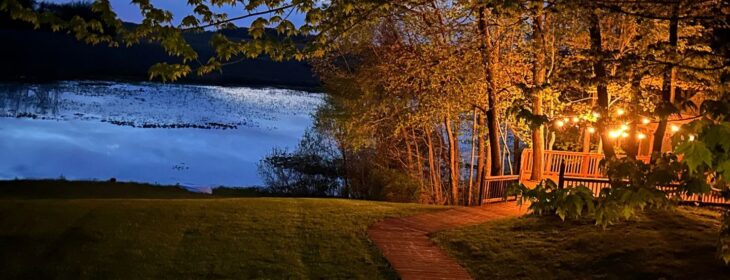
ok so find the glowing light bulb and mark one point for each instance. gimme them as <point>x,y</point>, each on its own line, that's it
<point>596,115</point>
<point>560,123</point>
<point>624,127</point>
<point>674,128</point>
<point>691,138</point>
<point>614,134</point>
<point>566,119</point>
<point>624,135</point>
<point>591,130</point>
<point>620,112</point>
<point>575,119</point>
<point>645,121</point>
<point>641,136</point>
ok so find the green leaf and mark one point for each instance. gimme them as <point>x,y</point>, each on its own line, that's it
<point>695,153</point>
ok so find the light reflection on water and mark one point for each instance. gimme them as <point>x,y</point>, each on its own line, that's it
<point>64,130</point>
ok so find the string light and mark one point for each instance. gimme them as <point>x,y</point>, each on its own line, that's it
<point>559,123</point>
<point>575,119</point>
<point>596,115</point>
<point>614,134</point>
<point>624,127</point>
<point>566,119</point>
<point>691,138</point>
<point>674,128</point>
<point>641,136</point>
<point>645,121</point>
<point>620,111</point>
<point>591,130</point>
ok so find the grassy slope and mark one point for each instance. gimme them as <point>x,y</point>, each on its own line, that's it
<point>241,238</point>
<point>679,245</point>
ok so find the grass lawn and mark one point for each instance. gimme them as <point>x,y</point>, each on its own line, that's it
<point>659,245</point>
<point>132,238</point>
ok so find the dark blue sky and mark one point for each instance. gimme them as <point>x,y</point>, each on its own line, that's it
<point>179,8</point>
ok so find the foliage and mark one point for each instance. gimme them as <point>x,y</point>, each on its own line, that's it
<point>313,169</point>
<point>705,147</point>
<point>547,199</point>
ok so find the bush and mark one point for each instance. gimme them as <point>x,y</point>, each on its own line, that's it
<point>313,169</point>
<point>547,199</point>
<point>393,185</point>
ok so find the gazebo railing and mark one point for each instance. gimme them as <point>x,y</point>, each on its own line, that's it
<point>597,184</point>
<point>495,188</point>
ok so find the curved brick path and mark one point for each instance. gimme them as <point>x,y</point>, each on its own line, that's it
<point>405,244</point>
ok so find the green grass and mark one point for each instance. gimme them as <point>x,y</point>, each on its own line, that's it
<point>658,245</point>
<point>274,238</point>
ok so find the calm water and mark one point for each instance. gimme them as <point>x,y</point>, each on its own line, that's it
<point>198,136</point>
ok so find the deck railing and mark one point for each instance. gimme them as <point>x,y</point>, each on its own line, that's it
<point>597,184</point>
<point>584,165</point>
<point>495,188</point>
<point>577,164</point>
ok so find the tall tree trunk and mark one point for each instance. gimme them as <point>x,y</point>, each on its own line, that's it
<point>453,160</point>
<point>668,86</point>
<point>432,166</point>
<point>517,152</point>
<point>488,55</point>
<point>599,69</point>
<point>419,163</point>
<point>538,76</point>
<point>483,153</point>
<point>470,189</point>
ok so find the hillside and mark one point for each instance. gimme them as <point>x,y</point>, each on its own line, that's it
<point>42,55</point>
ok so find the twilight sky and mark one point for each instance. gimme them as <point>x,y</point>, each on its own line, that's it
<point>179,8</point>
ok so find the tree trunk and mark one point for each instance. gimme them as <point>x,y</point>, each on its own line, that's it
<point>435,181</point>
<point>668,86</point>
<point>599,70</point>
<point>538,76</point>
<point>489,60</point>
<point>453,160</point>
<point>483,153</point>
<point>474,140</point>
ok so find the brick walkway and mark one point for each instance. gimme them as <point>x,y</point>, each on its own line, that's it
<point>405,244</point>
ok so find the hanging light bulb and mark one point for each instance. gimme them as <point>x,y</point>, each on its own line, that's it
<point>620,111</point>
<point>645,120</point>
<point>591,129</point>
<point>596,115</point>
<point>575,119</point>
<point>559,123</point>
<point>674,128</point>
<point>624,135</point>
<point>624,127</point>
<point>566,119</point>
<point>691,138</point>
<point>614,134</point>
<point>641,136</point>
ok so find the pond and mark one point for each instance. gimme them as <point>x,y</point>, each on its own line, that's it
<point>195,136</point>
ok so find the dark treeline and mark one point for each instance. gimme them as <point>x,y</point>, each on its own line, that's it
<point>41,55</point>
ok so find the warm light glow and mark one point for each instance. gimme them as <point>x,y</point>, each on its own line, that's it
<point>614,134</point>
<point>675,128</point>
<point>566,119</point>
<point>691,138</point>
<point>645,121</point>
<point>624,127</point>
<point>591,130</point>
<point>576,119</point>
<point>624,135</point>
<point>560,123</point>
<point>596,115</point>
<point>641,136</point>
<point>620,112</point>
